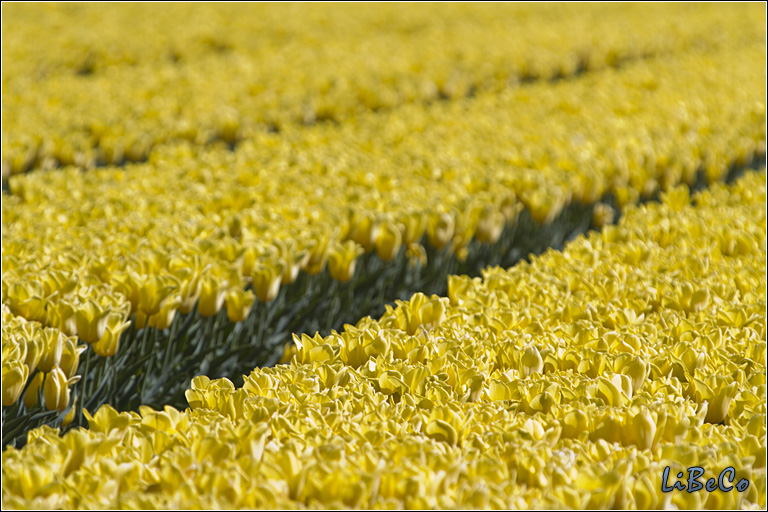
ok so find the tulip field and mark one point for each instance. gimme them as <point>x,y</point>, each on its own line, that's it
<point>486,256</point>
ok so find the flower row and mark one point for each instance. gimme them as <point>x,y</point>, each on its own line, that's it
<point>210,228</point>
<point>570,381</point>
<point>109,93</point>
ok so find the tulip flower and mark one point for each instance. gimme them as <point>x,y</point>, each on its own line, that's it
<point>212,294</point>
<point>14,378</point>
<point>56,390</point>
<point>531,361</point>
<point>490,225</point>
<point>70,356</point>
<point>239,304</point>
<point>388,241</point>
<point>266,280</point>
<point>52,342</point>
<point>31,396</point>
<point>440,230</point>
<point>342,260</point>
<point>154,292</point>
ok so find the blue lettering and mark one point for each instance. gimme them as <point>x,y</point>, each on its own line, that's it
<point>693,479</point>
<point>724,482</point>
<point>721,480</point>
<point>664,477</point>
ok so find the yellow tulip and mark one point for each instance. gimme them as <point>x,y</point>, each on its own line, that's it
<point>342,260</point>
<point>416,255</point>
<point>163,318</point>
<point>56,390</point>
<point>239,303</point>
<point>52,342</point>
<point>574,423</point>
<point>212,295</point>
<point>415,224</point>
<point>15,376</point>
<point>388,242</point>
<point>35,350</point>
<point>27,300</point>
<point>91,320</point>
<point>490,225</point>
<point>363,230</point>
<point>71,414</point>
<point>637,370</point>
<point>155,290</point>
<point>33,391</point>
<point>266,280</point>
<point>531,361</point>
<point>440,230</point>
<point>70,356</point>
<point>318,254</point>
<point>129,284</point>
<point>643,429</point>
<point>107,418</point>
<point>64,314</point>
<point>719,403</point>
<point>294,262</point>
<point>189,288</point>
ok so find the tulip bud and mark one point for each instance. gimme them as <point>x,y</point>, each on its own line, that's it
<point>266,280</point>
<point>33,391</point>
<point>415,226</point>
<point>70,356</point>
<point>440,230</point>
<point>70,415</point>
<point>363,230</point>
<point>91,319</point>
<point>65,318</point>
<point>318,255</point>
<point>719,404</point>
<point>154,292</point>
<point>531,361</point>
<point>637,370</point>
<point>109,343</point>
<point>574,423</point>
<point>163,318</point>
<point>643,429</point>
<point>490,225</point>
<point>52,342</point>
<point>55,390</point>
<point>239,303</point>
<point>34,352</point>
<point>342,260</point>
<point>15,376</point>
<point>388,242</point>
<point>212,294</point>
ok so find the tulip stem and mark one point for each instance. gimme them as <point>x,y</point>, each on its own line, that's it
<point>148,370</point>
<point>262,321</point>
<point>83,386</point>
<point>169,344</point>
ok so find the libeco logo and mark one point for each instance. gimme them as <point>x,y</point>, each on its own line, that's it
<point>723,482</point>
